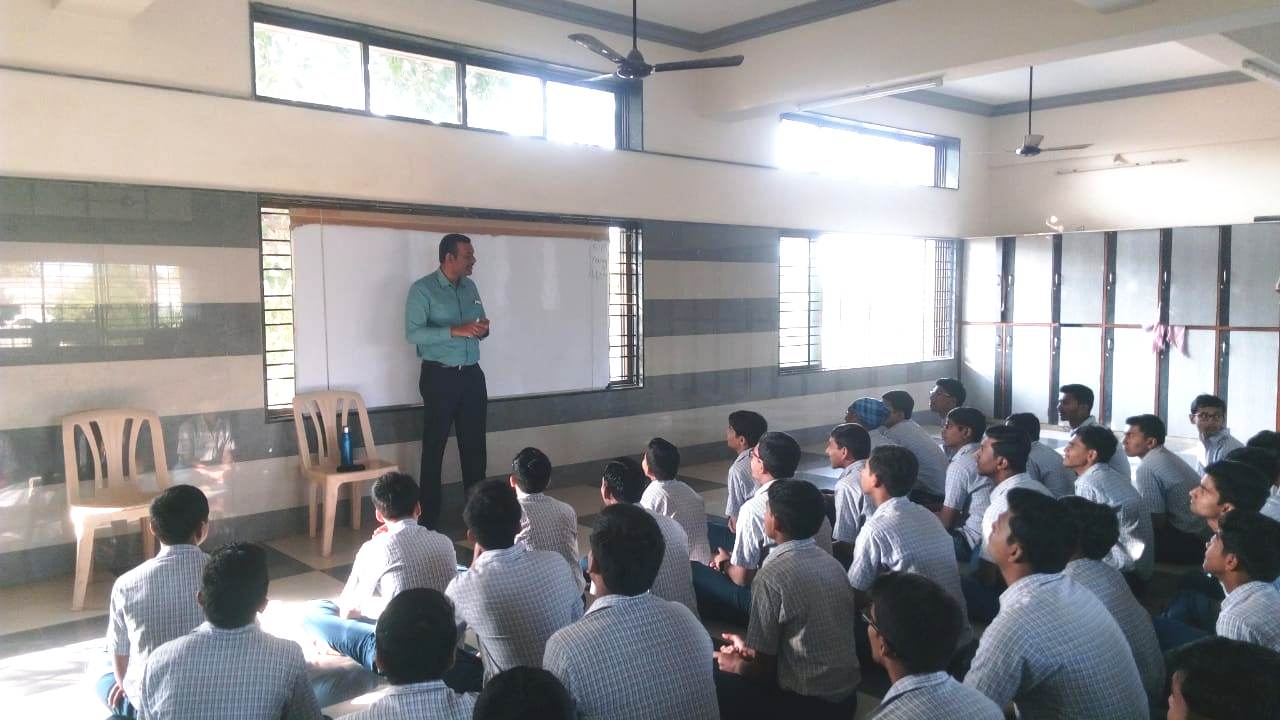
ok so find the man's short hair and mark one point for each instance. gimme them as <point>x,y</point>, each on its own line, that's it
<point>901,401</point>
<point>532,470</point>
<point>416,636</point>
<point>176,514</point>
<point>1011,444</point>
<point>1254,539</point>
<point>953,388</point>
<point>524,692</point>
<point>493,514</point>
<point>625,479</point>
<point>1097,529</point>
<point>1028,423</point>
<point>663,459</point>
<point>1038,525</point>
<point>895,467</point>
<point>449,244</point>
<point>918,620</point>
<point>627,547</point>
<point>969,418</point>
<point>1225,679</point>
<point>779,453</point>
<point>1100,440</point>
<point>1263,460</point>
<point>1149,425</point>
<point>1205,400</point>
<point>234,585</point>
<point>797,508</point>
<point>395,495</point>
<point>750,425</point>
<point>854,438</point>
<point>1082,394</point>
<point>1265,439</point>
<point>1240,484</point>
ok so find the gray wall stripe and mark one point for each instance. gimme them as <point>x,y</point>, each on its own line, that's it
<point>702,241</point>
<point>666,318</point>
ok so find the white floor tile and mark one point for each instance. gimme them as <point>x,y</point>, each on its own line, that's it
<point>48,602</point>
<point>716,472</point>
<point>585,499</point>
<point>346,542</point>
<point>715,500</point>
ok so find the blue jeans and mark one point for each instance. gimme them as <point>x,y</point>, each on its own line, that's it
<point>720,598</point>
<point>103,687</point>
<point>719,535</point>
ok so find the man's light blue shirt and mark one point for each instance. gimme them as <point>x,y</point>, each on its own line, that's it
<point>433,307</point>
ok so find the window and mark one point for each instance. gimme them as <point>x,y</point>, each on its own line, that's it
<point>873,153</point>
<point>625,352</point>
<point>838,291</point>
<point>277,308</point>
<point>300,58</point>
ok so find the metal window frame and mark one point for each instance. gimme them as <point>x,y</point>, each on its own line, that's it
<point>813,313</point>
<point>946,156</point>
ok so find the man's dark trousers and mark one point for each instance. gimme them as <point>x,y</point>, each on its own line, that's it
<point>451,397</point>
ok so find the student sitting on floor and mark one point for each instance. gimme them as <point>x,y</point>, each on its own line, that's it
<point>1087,454</point>
<point>624,482</point>
<point>545,522</point>
<point>416,639</point>
<point>743,432</point>
<point>513,597</point>
<point>1228,485</point>
<point>156,601</point>
<point>524,693</point>
<point>1075,406</point>
<point>847,450</point>
<point>913,627</point>
<point>1266,462</point>
<point>1054,650</point>
<point>1209,415</point>
<point>947,395</point>
<point>671,497</point>
<point>931,485</point>
<point>1044,463</point>
<point>1165,483</point>
<point>870,413</point>
<point>634,656</point>
<point>228,667</point>
<point>798,656</point>
<point>968,491</point>
<point>1095,531</point>
<point>1221,679</point>
<point>1244,555</point>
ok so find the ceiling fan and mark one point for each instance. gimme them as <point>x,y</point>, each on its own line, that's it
<point>633,66</point>
<point>1031,143</point>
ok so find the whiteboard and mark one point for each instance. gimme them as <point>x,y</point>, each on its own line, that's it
<point>546,298</point>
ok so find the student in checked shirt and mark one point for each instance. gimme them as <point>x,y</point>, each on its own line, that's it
<point>228,668</point>
<point>913,626</point>
<point>1244,555</point>
<point>743,432</point>
<point>1209,415</point>
<point>847,450</point>
<point>545,522</point>
<point>156,601</point>
<point>1267,462</point>
<point>675,499</point>
<point>968,491</point>
<point>1087,453</point>
<point>1220,679</point>
<point>416,639</point>
<point>1053,651</point>
<point>901,429</point>
<point>524,693</point>
<point>1044,463</point>
<point>1075,404</point>
<point>1165,483</point>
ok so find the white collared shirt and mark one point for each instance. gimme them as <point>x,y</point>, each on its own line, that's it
<point>1108,585</point>
<point>933,462</point>
<point>675,576</point>
<point>1000,503</point>
<point>751,544</point>
<point>548,524</point>
<point>1251,613</point>
<point>432,699</point>
<point>1135,551</point>
<point>677,500</point>
<point>1045,465</point>
<point>740,483</point>
<point>1214,448</point>
<point>967,492</point>
<point>934,696</point>
<point>406,556</point>
<point>853,507</point>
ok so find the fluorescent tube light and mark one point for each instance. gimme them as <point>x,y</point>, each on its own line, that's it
<point>872,92</point>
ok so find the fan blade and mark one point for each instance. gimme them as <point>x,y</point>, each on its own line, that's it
<point>591,43</point>
<point>1066,147</point>
<point>731,61</point>
<point>1033,140</point>
<point>598,78</point>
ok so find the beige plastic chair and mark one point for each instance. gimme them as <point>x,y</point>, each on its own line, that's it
<point>328,411</point>
<point>116,493</point>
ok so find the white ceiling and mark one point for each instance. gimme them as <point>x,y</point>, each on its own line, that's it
<point>696,15</point>
<point>1152,63</point>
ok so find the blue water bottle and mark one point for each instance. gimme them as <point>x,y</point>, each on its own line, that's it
<point>344,446</point>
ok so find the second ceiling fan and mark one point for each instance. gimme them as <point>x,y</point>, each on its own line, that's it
<point>632,66</point>
<point>1031,143</point>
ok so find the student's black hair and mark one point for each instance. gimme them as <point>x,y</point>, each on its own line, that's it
<point>1038,525</point>
<point>901,401</point>
<point>896,468</point>
<point>1266,439</point>
<point>1028,423</point>
<point>1097,529</point>
<point>1082,394</point>
<point>1225,679</point>
<point>1240,484</point>
<point>493,514</point>
<point>1100,440</point>
<point>663,459</point>
<point>176,514</point>
<point>532,470</point>
<point>970,418</point>
<point>449,244</point>
<point>854,438</point>
<point>1205,400</point>
<point>416,636</point>
<point>797,508</point>
<point>749,424</point>
<point>234,585</point>
<point>1263,460</point>
<point>395,495</point>
<point>1011,444</point>
<point>521,693</point>
<point>779,453</point>
<point>918,620</point>
<point>1254,539</point>
<point>1150,425</point>
<point>952,387</point>
<point>627,546</point>
<point>625,479</point>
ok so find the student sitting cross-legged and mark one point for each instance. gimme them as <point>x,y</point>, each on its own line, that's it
<point>1043,463</point>
<point>1266,461</point>
<point>931,485</point>
<point>416,639</point>
<point>228,667</point>
<point>1053,651</point>
<point>524,693</point>
<point>1087,454</point>
<point>671,497</point>
<point>514,598</point>
<point>743,432</point>
<point>848,448</point>
<point>1244,555</point>
<point>799,654</point>
<point>156,601</point>
<point>1165,483</point>
<point>968,491</point>
<point>1220,679</point>
<point>913,626</point>
<point>633,656</point>
<point>545,522</point>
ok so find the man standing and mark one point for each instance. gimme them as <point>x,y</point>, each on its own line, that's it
<point>444,318</point>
